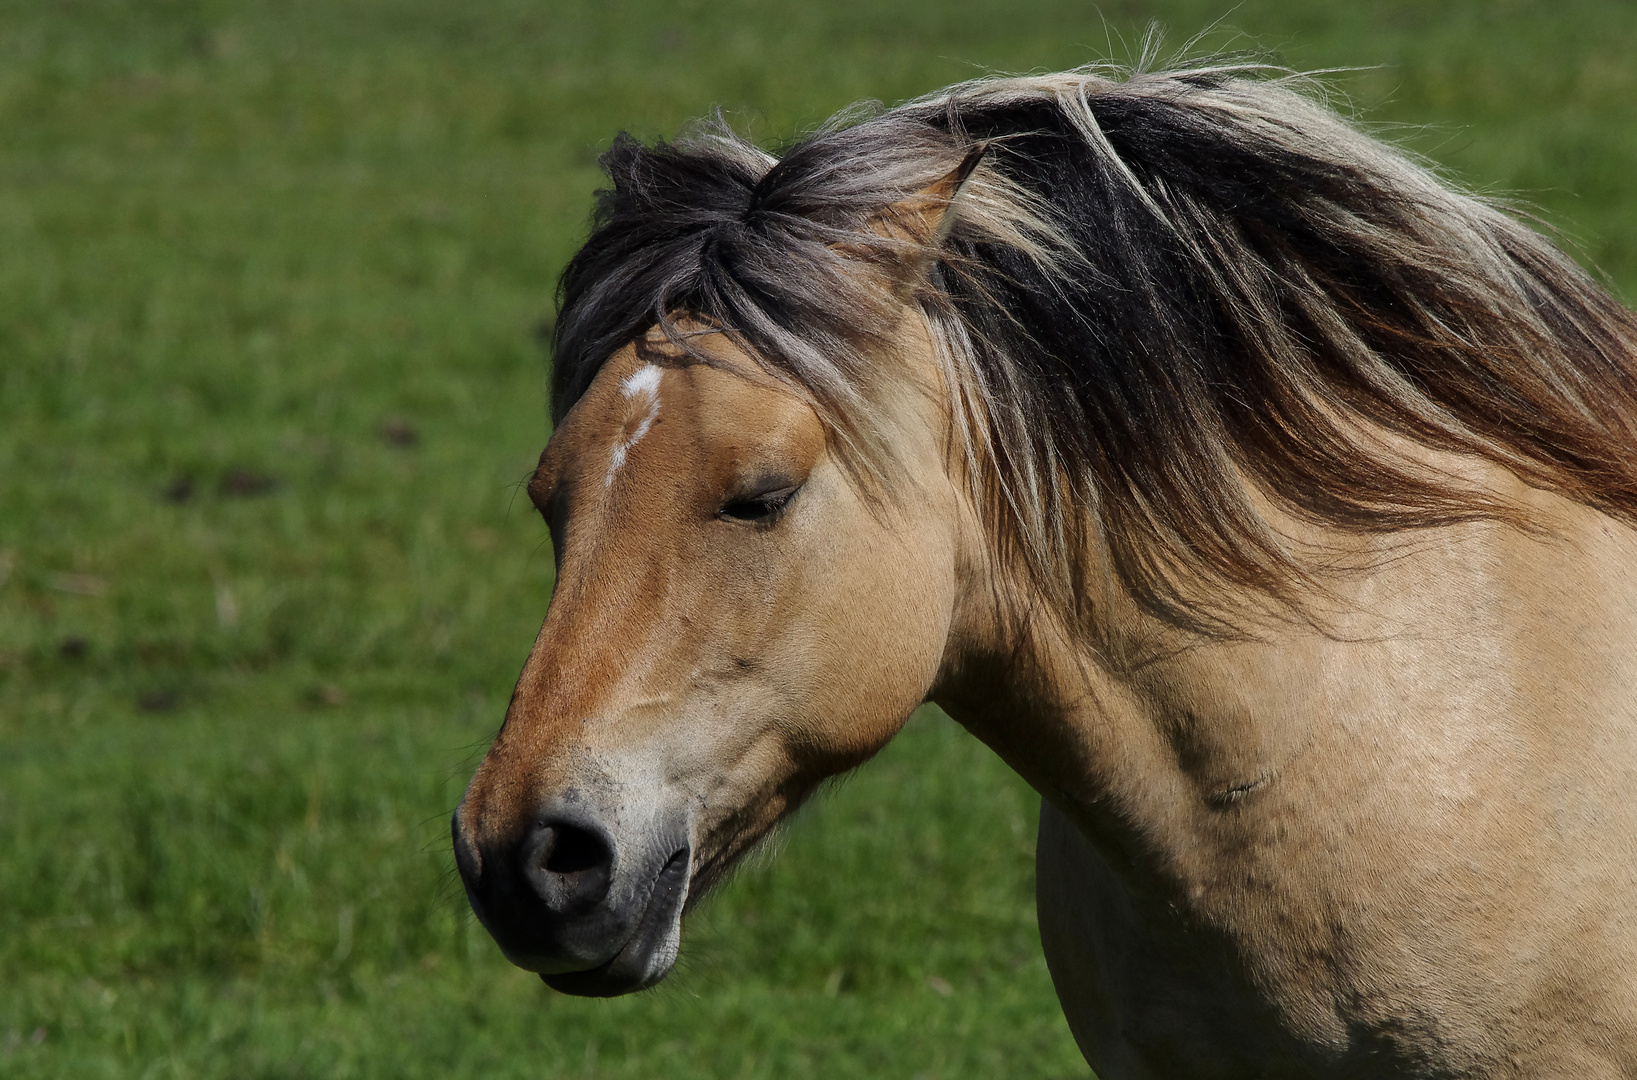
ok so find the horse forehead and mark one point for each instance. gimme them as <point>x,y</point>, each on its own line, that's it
<point>686,420</point>
<point>628,401</point>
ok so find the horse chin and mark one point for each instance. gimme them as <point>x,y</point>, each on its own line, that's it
<point>648,955</point>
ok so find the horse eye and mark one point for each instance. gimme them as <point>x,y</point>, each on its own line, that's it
<point>762,508</point>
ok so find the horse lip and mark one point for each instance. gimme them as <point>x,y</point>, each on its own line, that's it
<point>632,967</point>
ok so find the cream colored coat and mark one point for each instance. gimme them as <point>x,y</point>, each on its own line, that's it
<point>1400,840</point>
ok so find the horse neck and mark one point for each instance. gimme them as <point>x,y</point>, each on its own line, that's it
<point>1437,641</point>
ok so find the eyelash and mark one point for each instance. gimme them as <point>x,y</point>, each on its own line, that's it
<point>763,509</point>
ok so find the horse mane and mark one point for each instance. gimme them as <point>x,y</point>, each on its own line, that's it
<point>1156,296</point>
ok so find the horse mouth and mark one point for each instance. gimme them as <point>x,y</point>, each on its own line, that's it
<point>647,956</point>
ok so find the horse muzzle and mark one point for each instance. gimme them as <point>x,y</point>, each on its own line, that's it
<point>596,909</point>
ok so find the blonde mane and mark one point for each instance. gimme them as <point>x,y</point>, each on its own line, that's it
<point>1150,292</point>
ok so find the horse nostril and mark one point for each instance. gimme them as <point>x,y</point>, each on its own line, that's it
<point>568,865</point>
<point>573,850</point>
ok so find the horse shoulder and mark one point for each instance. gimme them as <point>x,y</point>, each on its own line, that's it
<point>1408,837</point>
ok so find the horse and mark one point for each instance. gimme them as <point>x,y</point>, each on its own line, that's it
<point>1264,499</point>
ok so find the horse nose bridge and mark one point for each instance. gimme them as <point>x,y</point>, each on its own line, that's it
<point>565,682</point>
<point>598,660</point>
<point>599,619</point>
<point>586,694</point>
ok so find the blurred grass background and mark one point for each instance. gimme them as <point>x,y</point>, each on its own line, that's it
<point>271,283</point>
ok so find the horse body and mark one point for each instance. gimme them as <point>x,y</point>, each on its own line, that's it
<point>1402,846</point>
<point>1276,526</point>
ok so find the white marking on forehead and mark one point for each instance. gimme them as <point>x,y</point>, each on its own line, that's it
<point>643,380</point>
<point>642,383</point>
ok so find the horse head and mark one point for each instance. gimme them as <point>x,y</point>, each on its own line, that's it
<point>736,618</point>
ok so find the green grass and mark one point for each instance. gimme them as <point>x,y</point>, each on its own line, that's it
<point>240,246</point>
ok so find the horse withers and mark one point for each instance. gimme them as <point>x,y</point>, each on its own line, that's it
<point>1262,499</point>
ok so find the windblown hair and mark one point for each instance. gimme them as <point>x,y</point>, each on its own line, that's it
<point>1150,295</point>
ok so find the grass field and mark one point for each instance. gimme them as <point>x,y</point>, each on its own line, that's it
<point>271,278</point>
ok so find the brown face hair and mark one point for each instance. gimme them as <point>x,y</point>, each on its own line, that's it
<point>734,620</point>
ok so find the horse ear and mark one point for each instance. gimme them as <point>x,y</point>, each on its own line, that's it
<point>925,217</point>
